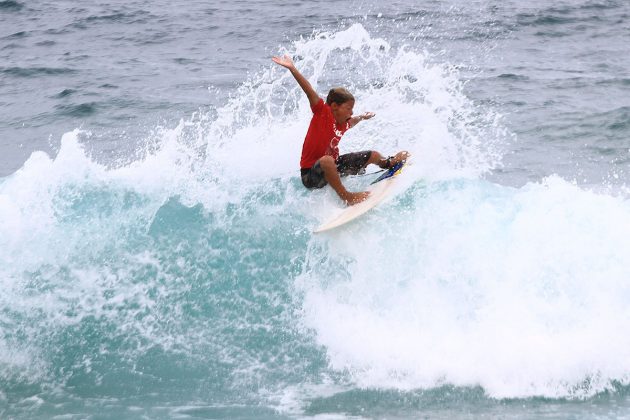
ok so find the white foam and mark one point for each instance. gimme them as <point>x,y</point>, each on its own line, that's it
<point>523,292</point>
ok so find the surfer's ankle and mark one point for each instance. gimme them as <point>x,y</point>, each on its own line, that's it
<point>386,163</point>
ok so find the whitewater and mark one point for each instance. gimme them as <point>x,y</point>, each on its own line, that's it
<point>182,279</point>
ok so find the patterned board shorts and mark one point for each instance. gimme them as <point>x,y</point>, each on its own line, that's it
<point>348,164</point>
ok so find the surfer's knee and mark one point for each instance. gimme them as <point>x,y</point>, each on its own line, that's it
<point>327,163</point>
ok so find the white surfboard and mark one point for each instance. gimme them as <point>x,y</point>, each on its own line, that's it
<point>378,192</point>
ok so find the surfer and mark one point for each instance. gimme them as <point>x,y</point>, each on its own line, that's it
<point>320,163</point>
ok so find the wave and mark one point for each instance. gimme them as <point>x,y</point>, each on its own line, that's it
<point>193,269</point>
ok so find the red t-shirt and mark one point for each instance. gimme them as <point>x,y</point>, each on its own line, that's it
<point>323,135</point>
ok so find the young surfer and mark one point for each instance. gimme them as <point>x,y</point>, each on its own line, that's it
<point>320,163</point>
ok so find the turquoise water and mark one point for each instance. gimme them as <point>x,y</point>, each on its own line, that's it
<point>156,254</point>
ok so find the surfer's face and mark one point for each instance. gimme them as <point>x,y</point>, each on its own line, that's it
<point>342,112</point>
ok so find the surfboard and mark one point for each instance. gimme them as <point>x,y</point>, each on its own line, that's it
<point>379,190</point>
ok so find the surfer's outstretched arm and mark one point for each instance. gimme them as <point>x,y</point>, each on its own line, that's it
<point>287,62</point>
<point>358,118</point>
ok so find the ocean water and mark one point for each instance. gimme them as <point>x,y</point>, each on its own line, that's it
<point>156,254</point>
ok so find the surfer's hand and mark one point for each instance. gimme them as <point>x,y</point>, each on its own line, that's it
<point>284,61</point>
<point>358,118</point>
<point>367,115</point>
<point>354,198</point>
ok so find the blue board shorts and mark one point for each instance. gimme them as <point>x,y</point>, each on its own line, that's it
<point>348,164</point>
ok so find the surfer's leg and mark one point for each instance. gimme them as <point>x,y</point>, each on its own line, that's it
<point>353,163</point>
<point>377,159</point>
<point>313,177</point>
<point>331,174</point>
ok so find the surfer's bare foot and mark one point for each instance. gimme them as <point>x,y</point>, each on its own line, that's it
<point>356,197</point>
<point>390,162</point>
<point>400,157</point>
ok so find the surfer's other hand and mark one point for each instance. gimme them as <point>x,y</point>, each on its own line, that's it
<point>356,197</point>
<point>284,61</point>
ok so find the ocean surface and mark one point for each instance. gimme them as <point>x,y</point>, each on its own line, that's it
<point>156,254</point>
